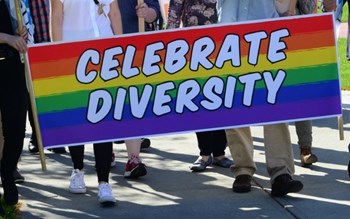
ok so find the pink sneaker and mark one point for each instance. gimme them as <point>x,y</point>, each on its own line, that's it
<point>135,168</point>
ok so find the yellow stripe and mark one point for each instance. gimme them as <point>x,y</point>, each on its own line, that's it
<point>301,58</point>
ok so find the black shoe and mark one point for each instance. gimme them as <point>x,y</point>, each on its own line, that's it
<point>18,178</point>
<point>284,184</point>
<point>145,143</point>
<point>242,184</point>
<point>58,150</point>
<point>33,147</point>
<point>10,191</point>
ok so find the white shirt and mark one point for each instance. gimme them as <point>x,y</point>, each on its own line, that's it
<point>81,20</point>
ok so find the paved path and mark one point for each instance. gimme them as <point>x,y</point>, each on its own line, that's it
<point>170,190</point>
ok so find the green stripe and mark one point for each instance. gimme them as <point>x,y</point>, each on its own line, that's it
<point>294,76</point>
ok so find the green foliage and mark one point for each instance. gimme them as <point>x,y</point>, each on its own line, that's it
<point>344,17</point>
<point>344,65</point>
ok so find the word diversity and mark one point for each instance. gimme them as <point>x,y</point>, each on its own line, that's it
<point>215,92</point>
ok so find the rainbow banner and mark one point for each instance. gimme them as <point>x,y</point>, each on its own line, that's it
<point>183,80</point>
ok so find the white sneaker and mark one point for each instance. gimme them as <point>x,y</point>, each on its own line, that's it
<point>77,184</point>
<point>105,196</point>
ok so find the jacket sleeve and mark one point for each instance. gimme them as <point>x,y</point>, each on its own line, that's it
<point>175,12</point>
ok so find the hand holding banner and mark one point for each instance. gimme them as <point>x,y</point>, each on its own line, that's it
<point>141,19</point>
<point>30,90</point>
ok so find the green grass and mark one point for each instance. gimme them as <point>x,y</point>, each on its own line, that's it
<point>344,17</point>
<point>344,65</point>
<point>11,212</point>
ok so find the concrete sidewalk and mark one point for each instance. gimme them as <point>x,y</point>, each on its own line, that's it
<point>170,190</point>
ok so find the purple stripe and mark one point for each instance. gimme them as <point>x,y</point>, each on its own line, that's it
<point>88,133</point>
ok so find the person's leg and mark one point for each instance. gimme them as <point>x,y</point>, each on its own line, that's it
<point>13,107</point>
<point>205,141</point>
<point>338,16</point>
<point>77,184</point>
<point>33,142</point>
<point>134,167</point>
<point>278,148</point>
<point>219,144</point>
<point>240,143</point>
<point>77,155</point>
<point>304,132</point>
<point>280,159</point>
<point>103,157</point>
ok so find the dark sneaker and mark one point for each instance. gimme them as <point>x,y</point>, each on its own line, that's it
<point>200,165</point>
<point>58,150</point>
<point>135,168</point>
<point>18,178</point>
<point>10,191</point>
<point>33,147</point>
<point>284,184</point>
<point>145,143</point>
<point>242,184</point>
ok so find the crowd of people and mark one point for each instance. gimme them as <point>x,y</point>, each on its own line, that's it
<point>58,20</point>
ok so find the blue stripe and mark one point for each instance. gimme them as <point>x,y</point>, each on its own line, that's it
<point>287,94</point>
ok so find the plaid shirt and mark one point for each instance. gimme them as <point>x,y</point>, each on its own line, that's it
<point>40,15</point>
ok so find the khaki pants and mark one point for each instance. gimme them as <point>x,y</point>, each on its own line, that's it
<point>304,132</point>
<point>1,138</point>
<point>278,150</point>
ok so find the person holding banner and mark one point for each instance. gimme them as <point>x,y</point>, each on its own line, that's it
<point>13,91</point>
<point>79,20</point>
<point>278,148</point>
<point>196,13</point>
<point>131,11</point>
<point>304,128</point>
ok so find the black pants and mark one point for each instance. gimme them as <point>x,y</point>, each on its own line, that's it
<point>103,158</point>
<point>13,107</point>
<point>33,138</point>
<point>212,142</point>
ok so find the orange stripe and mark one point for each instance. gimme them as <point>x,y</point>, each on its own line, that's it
<point>303,41</point>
